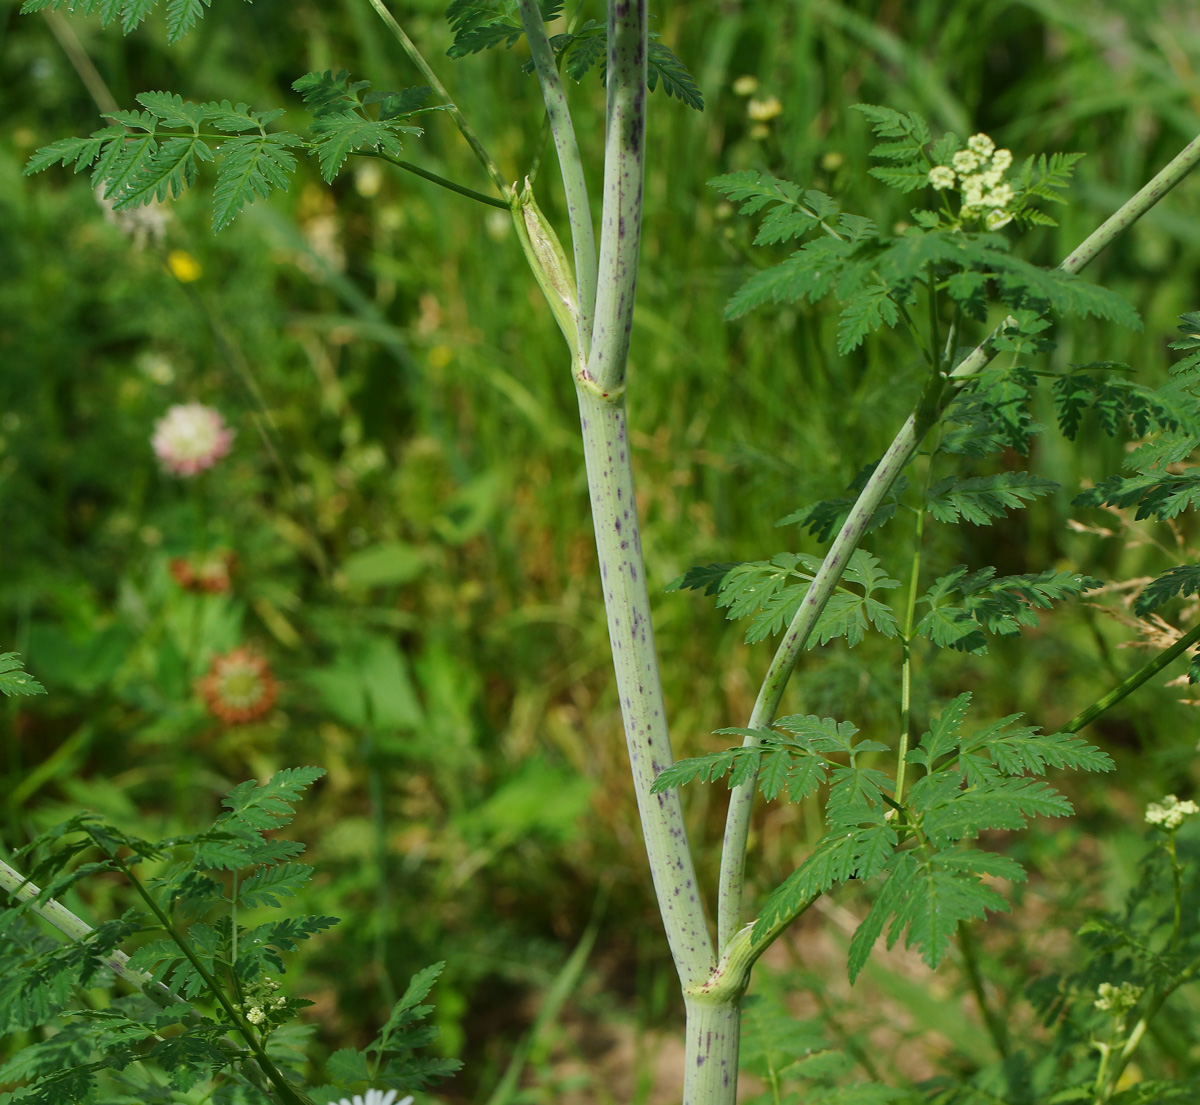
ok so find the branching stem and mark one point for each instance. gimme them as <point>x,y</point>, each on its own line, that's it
<point>460,120</point>
<point>889,469</point>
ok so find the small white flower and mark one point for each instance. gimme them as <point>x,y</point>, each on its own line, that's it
<point>1170,812</point>
<point>991,178</point>
<point>965,161</point>
<point>972,196</point>
<point>191,437</point>
<point>1001,160</point>
<point>981,144</point>
<point>996,219</point>
<point>941,177</point>
<point>746,85</point>
<point>256,1015</point>
<point>1000,196</point>
<point>375,1097</point>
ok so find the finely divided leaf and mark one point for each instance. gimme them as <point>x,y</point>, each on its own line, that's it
<point>1182,580</point>
<point>983,498</point>
<point>14,680</point>
<point>250,167</point>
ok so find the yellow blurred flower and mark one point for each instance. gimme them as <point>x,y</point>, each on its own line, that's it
<point>184,267</point>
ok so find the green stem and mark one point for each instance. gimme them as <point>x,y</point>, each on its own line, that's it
<point>460,121</point>
<point>56,914</point>
<point>639,684</point>
<point>1177,886</point>
<point>287,1091</point>
<point>996,1027</point>
<point>433,178</point>
<point>1127,686</point>
<point>621,218</point>
<point>889,469</point>
<point>579,210</point>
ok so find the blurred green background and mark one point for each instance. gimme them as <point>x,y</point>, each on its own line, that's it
<point>407,507</point>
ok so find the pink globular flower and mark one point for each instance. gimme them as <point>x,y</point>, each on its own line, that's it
<point>191,437</point>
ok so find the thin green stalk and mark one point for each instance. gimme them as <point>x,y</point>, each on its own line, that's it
<point>579,211</point>
<point>1177,888</point>
<point>387,989</point>
<point>997,1028</point>
<point>1127,686</point>
<point>431,78</point>
<point>433,178</point>
<point>889,469</point>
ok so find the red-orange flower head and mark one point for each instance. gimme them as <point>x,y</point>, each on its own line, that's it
<point>208,573</point>
<point>239,687</point>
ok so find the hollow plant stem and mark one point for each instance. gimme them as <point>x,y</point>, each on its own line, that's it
<point>639,686</point>
<point>460,120</point>
<point>621,218</point>
<point>887,471</point>
<point>579,211</point>
<point>77,929</point>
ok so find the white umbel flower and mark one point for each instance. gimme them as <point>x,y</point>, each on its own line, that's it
<point>375,1097</point>
<point>941,177</point>
<point>965,161</point>
<point>981,144</point>
<point>1170,812</point>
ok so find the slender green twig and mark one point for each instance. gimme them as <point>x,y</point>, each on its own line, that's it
<point>887,471</point>
<point>1127,686</point>
<point>441,181</point>
<point>996,1026</point>
<point>460,120</point>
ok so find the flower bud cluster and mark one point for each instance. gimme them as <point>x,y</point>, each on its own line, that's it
<point>1170,812</point>
<point>1117,999</point>
<point>978,173</point>
<point>260,1010</point>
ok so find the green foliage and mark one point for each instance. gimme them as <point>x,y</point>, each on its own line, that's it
<point>14,680</point>
<point>207,1011</point>
<point>982,499</point>
<point>763,591</point>
<point>483,24</point>
<point>965,605</point>
<point>181,15</point>
<point>143,157</point>
<point>342,125</point>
